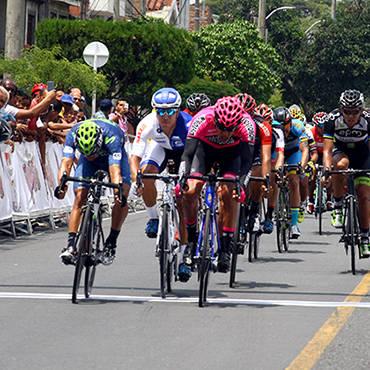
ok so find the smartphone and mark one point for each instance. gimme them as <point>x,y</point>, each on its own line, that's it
<point>126,105</point>
<point>50,85</point>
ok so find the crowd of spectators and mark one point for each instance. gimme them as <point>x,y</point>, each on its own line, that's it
<point>48,115</point>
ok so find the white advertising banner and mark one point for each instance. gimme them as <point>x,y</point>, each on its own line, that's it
<point>6,184</point>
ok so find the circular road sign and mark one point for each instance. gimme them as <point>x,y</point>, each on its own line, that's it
<point>96,54</point>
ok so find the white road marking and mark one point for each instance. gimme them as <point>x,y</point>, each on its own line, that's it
<point>247,302</point>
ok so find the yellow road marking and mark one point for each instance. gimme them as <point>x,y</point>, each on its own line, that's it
<point>314,349</point>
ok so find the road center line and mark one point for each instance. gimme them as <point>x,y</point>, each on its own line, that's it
<point>348,305</point>
<point>314,349</point>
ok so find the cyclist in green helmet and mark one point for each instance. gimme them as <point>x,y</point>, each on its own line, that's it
<point>101,144</point>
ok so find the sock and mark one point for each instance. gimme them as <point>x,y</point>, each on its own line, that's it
<point>113,236</point>
<point>295,212</point>
<point>192,231</point>
<point>303,203</point>
<point>270,211</point>
<point>182,253</point>
<point>71,239</point>
<point>364,233</point>
<point>255,207</point>
<point>338,203</point>
<point>152,211</point>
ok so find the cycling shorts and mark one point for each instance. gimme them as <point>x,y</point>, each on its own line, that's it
<point>158,156</point>
<point>87,169</point>
<point>228,158</point>
<point>356,160</point>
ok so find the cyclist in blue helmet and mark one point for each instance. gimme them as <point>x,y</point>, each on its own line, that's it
<point>167,128</point>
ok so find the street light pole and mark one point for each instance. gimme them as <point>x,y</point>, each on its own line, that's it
<point>262,18</point>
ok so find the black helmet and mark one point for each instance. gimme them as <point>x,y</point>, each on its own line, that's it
<point>196,102</point>
<point>5,131</point>
<point>282,115</point>
<point>351,99</point>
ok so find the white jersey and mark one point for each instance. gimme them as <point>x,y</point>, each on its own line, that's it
<point>149,128</point>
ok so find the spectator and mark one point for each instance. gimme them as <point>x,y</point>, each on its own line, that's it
<point>81,116</point>
<point>105,109</point>
<point>71,117</point>
<point>119,117</point>
<point>4,97</point>
<point>76,94</point>
<point>67,101</point>
<point>59,94</point>
<point>22,114</point>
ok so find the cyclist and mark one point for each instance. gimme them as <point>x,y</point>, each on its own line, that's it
<point>196,102</point>
<point>166,128</point>
<point>297,117</point>
<point>317,131</point>
<point>225,134</point>
<point>101,144</point>
<point>277,161</point>
<point>346,145</point>
<point>261,164</point>
<point>296,150</point>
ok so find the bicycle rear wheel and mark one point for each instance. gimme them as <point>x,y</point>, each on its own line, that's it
<point>82,249</point>
<point>165,278</point>
<point>205,259</point>
<point>287,220</point>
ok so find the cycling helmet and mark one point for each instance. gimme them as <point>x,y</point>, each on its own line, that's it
<point>296,113</point>
<point>37,88</point>
<point>265,112</point>
<point>5,131</point>
<point>228,113</point>
<point>248,102</point>
<point>196,102</point>
<point>320,118</point>
<point>89,139</point>
<point>351,99</point>
<point>167,97</point>
<point>282,115</point>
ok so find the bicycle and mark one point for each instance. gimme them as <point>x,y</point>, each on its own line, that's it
<point>320,197</point>
<point>351,235</point>
<point>90,236</point>
<point>206,255</point>
<point>241,234</point>
<point>283,215</point>
<point>167,246</point>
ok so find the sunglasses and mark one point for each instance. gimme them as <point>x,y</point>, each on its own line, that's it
<point>351,112</point>
<point>286,126</point>
<point>77,99</point>
<point>169,112</point>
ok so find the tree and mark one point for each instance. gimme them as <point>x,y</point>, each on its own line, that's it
<point>38,65</point>
<point>143,54</point>
<point>213,89</point>
<point>234,52</point>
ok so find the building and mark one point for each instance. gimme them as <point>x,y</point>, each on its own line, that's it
<point>19,18</point>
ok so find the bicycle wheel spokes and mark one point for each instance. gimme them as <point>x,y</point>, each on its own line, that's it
<point>352,233</point>
<point>279,215</point>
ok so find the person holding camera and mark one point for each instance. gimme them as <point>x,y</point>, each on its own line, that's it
<point>119,117</point>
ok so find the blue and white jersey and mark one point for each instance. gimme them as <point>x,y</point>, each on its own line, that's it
<point>113,141</point>
<point>149,129</point>
<point>296,135</point>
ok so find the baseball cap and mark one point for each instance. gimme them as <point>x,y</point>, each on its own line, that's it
<point>105,104</point>
<point>66,98</point>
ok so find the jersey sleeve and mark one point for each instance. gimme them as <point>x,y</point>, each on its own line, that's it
<point>69,145</point>
<point>141,138</point>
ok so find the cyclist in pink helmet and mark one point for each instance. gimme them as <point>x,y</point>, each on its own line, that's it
<point>225,134</point>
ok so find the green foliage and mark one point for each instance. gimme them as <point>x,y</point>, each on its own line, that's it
<point>141,53</point>
<point>213,89</point>
<point>39,65</point>
<point>234,52</point>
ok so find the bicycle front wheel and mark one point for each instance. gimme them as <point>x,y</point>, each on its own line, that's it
<point>320,203</point>
<point>239,241</point>
<point>82,249</point>
<point>352,234</point>
<point>205,259</point>
<point>163,253</point>
<point>279,218</point>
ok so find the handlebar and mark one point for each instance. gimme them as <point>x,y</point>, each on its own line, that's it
<point>95,181</point>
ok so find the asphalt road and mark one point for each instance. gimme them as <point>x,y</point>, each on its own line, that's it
<point>286,310</point>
